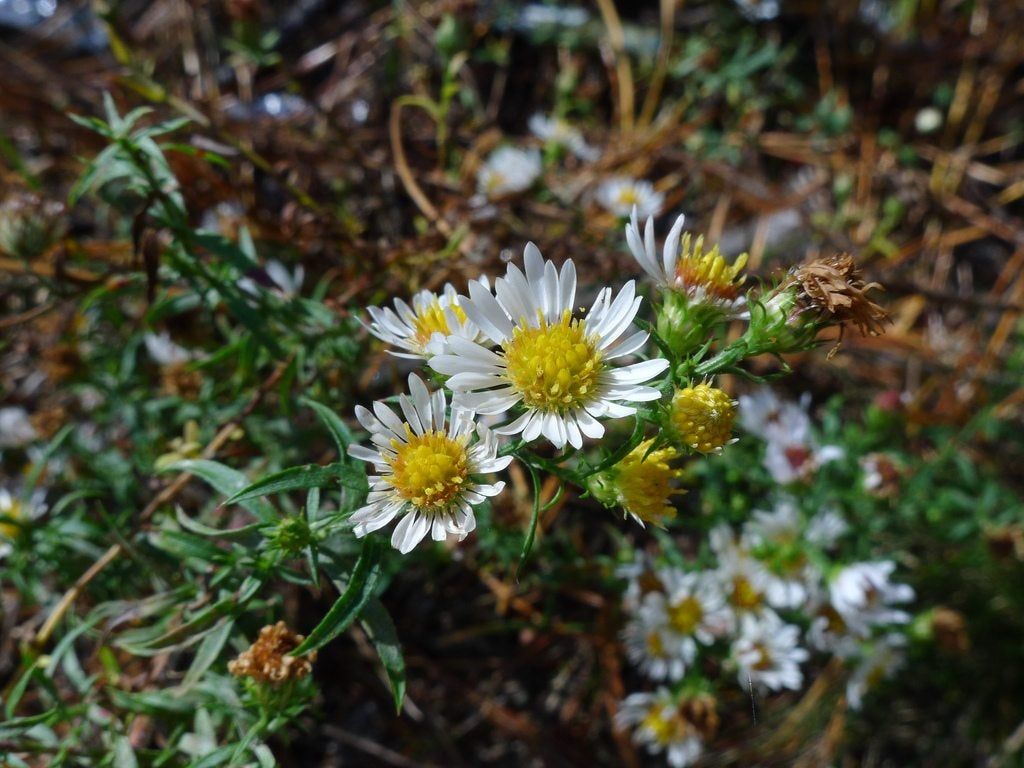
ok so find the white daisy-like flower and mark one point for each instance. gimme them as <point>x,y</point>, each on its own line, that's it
<point>652,646</point>
<point>767,653</point>
<point>622,195</point>
<point>884,658</point>
<point>744,580</point>
<point>863,594</point>
<point>789,460</point>
<point>694,607</point>
<point>508,170</point>
<point>642,578</point>
<point>559,368</point>
<point>285,283</point>
<point>685,268</point>
<point>776,538</point>
<point>16,428</point>
<point>558,131</point>
<point>826,528</point>
<point>791,451</point>
<point>421,330</point>
<point>428,475</point>
<point>659,725</point>
<point>165,352</point>
<point>15,513</point>
<point>829,632</point>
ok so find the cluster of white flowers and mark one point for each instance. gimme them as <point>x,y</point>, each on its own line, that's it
<point>792,453</point>
<point>768,596</point>
<point>518,353</point>
<point>510,170</point>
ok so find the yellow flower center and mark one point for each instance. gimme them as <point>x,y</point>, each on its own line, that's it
<point>662,728</point>
<point>13,511</point>
<point>764,658</point>
<point>708,271</point>
<point>554,366</point>
<point>429,470</point>
<point>433,319</point>
<point>685,615</point>
<point>655,647</point>
<point>644,482</point>
<point>744,595</point>
<point>495,181</point>
<point>628,196</point>
<point>703,416</point>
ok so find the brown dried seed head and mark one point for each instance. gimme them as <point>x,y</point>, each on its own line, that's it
<point>834,288</point>
<point>950,628</point>
<point>702,713</point>
<point>267,661</point>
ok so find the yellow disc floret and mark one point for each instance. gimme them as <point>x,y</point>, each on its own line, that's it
<point>744,595</point>
<point>430,469</point>
<point>433,319</point>
<point>703,417</point>
<point>643,482</point>
<point>685,615</point>
<point>554,366</point>
<point>14,512</point>
<point>708,273</point>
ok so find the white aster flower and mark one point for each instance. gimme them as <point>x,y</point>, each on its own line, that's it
<point>652,646</point>
<point>884,658</point>
<point>778,539</point>
<point>16,513</point>
<point>743,580</point>
<point>559,368</point>
<point>508,170</point>
<point>423,328</point>
<point>286,284</point>
<point>660,725</point>
<point>684,267</point>
<point>642,578</point>
<point>767,653</point>
<point>427,473</point>
<point>826,528</point>
<point>16,428</point>
<point>165,352</point>
<point>694,609</point>
<point>862,594</point>
<point>789,460</point>
<point>791,451</point>
<point>622,195</point>
<point>558,131</point>
<point>829,632</point>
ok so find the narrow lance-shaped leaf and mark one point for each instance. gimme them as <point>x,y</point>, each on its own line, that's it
<point>347,608</point>
<point>381,629</point>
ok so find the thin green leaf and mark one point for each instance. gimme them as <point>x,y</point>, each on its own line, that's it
<point>300,479</point>
<point>339,430</point>
<point>381,629</point>
<point>347,608</point>
<point>207,653</point>
<point>226,480</point>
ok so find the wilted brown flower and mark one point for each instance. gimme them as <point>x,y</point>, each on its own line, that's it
<point>702,713</point>
<point>178,380</point>
<point>1005,542</point>
<point>834,288</point>
<point>950,630</point>
<point>267,659</point>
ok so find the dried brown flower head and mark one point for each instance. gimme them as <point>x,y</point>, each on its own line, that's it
<point>701,712</point>
<point>950,630</point>
<point>267,659</point>
<point>835,290</point>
